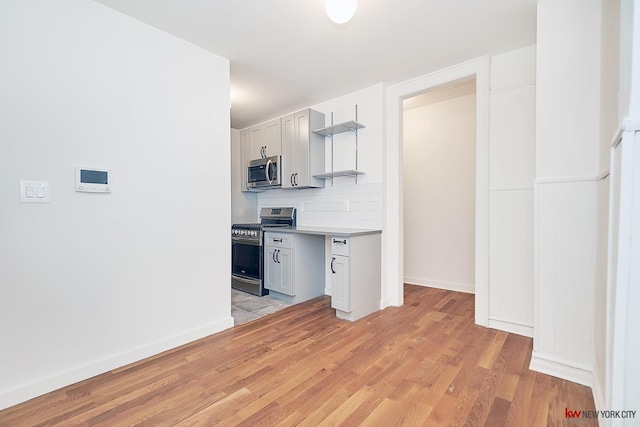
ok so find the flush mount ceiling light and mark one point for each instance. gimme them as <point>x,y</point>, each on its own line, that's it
<point>340,11</point>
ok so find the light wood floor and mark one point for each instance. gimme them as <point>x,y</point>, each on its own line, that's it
<point>425,363</point>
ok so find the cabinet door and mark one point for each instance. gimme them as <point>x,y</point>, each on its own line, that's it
<point>272,269</point>
<point>289,151</point>
<point>285,260</point>
<point>245,156</point>
<point>256,142</point>
<point>272,138</point>
<point>302,148</point>
<point>340,298</point>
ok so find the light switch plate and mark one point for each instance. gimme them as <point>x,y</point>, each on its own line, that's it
<point>34,192</point>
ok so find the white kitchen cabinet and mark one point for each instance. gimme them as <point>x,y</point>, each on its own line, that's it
<point>355,275</point>
<point>244,159</point>
<point>293,269</point>
<point>278,270</point>
<point>265,140</point>
<point>340,298</point>
<point>302,149</point>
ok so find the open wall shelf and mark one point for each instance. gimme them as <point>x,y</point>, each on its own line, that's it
<point>335,129</point>
<point>336,174</point>
<point>340,128</point>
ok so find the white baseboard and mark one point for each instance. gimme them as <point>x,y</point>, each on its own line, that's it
<point>21,394</point>
<point>561,368</point>
<point>599,395</point>
<point>510,326</point>
<point>458,287</point>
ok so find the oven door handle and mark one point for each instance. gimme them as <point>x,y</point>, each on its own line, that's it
<point>244,242</point>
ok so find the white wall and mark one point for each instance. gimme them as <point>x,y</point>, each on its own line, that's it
<point>609,121</point>
<point>511,173</point>
<point>568,168</point>
<point>324,207</point>
<point>439,194</point>
<point>243,203</point>
<point>622,388</point>
<point>94,281</point>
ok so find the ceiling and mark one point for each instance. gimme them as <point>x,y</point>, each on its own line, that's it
<point>286,54</point>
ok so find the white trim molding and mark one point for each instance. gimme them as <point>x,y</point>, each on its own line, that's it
<point>392,245</point>
<point>510,326</point>
<point>560,368</point>
<point>565,179</point>
<point>467,288</point>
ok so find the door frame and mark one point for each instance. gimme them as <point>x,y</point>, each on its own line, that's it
<point>392,242</point>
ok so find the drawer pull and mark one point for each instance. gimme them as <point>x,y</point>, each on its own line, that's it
<point>277,240</point>
<point>344,242</point>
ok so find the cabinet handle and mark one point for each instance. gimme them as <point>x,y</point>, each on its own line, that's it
<point>296,179</point>
<point>333,259</point>
<point>278,256</point>
<point>277,240</point>
<point>344,242</point>
<point>291,180</point>
<point>273,256</point>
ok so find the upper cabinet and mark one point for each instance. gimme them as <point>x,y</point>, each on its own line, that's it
<point>244,158</point>
<point>302,149</point>
<point>264,140</point>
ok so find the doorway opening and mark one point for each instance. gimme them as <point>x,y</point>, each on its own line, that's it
<point>393,222</point>
<point>439,162</point>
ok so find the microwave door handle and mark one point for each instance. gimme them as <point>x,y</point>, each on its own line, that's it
<point>267,173</point>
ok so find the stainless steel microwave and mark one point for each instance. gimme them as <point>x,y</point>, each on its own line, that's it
<point>264,172</point>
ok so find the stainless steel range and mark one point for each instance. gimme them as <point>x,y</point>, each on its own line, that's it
<point>247,242</point>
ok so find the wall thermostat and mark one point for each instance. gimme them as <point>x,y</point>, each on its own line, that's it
<point>91,180</point>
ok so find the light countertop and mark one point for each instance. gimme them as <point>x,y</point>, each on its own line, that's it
<point>323,231</point>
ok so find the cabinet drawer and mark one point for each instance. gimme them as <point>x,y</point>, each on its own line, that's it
<point>340,245</point>
<point>278,240</point>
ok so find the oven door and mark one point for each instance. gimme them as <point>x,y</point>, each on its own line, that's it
<point>246,267</point>
<point>246,259</point>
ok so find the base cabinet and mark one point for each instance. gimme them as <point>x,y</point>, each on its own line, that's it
<point>355,275</point>
<point>291,268</point>
<point>278,270</point>
<point>340,283</point>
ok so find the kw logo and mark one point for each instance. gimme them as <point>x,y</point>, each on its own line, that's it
<point>571,414</point>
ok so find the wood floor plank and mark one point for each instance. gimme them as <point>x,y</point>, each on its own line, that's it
<point>425,363</point>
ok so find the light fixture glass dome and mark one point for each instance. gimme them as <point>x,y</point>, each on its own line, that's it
<point>341,11</point>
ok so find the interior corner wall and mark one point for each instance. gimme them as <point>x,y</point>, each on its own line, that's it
<point>89,281</point>
<point>609,122</point>
<point>439,194</point>
<point>565,191</point>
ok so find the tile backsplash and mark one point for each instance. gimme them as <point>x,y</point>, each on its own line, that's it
<point>344,206</point>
